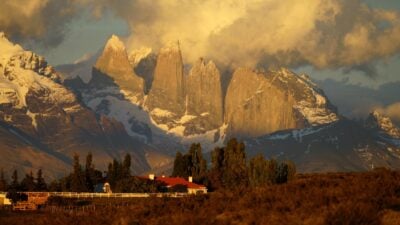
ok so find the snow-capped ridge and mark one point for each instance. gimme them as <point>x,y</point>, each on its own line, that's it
<point>383,124</point>
<point>115,43</point>
<point>7,50</point>
<point>137,55</point>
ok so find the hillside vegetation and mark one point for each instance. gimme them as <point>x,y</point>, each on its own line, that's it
<point>335,198</point>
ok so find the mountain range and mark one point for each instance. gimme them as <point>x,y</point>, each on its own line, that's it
<point>150,104</point>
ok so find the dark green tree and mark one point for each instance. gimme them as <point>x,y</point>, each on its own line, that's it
<point>55,186</point>
<point>258,171</point>
<point>235,168</point>
<point>65,183</point>
<point>14,181</point>
<point>179,167</point>
<point>282,173</point>
<point>190,164</point>
<point>77,181</point>
<point>28,183</point>
<point>115,173</point>
<point>90,176</point>
<point>124,179</point>
<point>126,166</point>
<point>3,182</point>
<point>198,164</point>
<point>41,184</point>
<point>217,169</point>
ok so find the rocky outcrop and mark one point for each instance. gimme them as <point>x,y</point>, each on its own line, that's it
<point>343,145</point>
<point>167,94</point>
<point>382,124</point>
<point>204,98</point>
<point>114,63</point>
<point>144,62</point>
<point>259,102</point>
<point>51,119</point>
<point>254,106</point>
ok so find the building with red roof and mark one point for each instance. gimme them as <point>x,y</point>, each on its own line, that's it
<point>170,182</point>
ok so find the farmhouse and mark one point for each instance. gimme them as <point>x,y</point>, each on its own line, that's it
<point>171,182</point>
<point>3,199</point>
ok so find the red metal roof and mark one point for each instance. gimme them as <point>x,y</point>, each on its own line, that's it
<point>172,181</point>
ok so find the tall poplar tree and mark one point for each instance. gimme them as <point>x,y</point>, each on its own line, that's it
<point>3,182</point>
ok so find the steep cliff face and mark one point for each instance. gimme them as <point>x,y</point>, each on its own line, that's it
<point>204,98</point>
<point>38,108</point>
<point>254,106</point>
<point>258,103</point>
<point>343,145</point>
<point>115,64</point>
<point>166,99</point>
<point>383,125</point>
<point>144,61</point>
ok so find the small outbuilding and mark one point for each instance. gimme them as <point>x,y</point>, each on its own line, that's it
<point>171,182</point>
<point>3,199</point>
<point>103,188</point>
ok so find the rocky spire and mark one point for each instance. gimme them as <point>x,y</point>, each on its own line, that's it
<point>262,102</point>
<point>114,63</point>
<point>167,90</point>
<point>204,94</point>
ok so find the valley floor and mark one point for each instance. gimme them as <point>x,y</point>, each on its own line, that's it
<point>335,198</point>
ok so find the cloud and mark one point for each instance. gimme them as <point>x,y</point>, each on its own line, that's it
<point>392,111</point>
<point>323,33</point>
<point>42,22</point>
<point>356,101</point>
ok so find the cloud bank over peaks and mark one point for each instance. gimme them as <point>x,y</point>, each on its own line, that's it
<point>37,21</point>
<point>392,111</point>
<point>322,33</point>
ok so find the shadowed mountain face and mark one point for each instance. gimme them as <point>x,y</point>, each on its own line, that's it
<point>51,122</point>
<point>341,146</point>
<point>277,112</point>
<point>115,63</point>
<point>181,108</point>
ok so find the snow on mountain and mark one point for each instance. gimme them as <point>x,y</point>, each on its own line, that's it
<point>137,55</point>
<point>144,103</point>
<point>262,102</point>
<point>7,49</point>
<point>19,72</point>
<point>36,108</point>
<point>340,146</point>
<point>383,124</point>
<point>312,102</point>
<point>182,107</point>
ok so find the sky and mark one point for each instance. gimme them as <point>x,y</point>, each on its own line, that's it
<point>352,42</point>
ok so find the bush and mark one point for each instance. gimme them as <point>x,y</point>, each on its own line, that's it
<point>354,213</point>
<point>16,196</point>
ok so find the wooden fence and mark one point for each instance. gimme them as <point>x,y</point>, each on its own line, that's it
<point>102,195</point>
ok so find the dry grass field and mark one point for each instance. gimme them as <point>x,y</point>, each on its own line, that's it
<point>316,199</point>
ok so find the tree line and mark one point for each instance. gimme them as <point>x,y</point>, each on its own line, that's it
<point>230,167</point>
<point>84,178</point>
<point>28,183</point>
